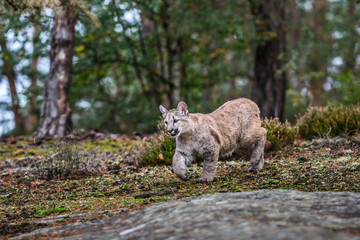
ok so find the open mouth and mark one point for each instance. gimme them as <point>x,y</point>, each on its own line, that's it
<point>174,133</point>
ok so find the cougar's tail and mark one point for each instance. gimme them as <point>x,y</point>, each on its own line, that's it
<point>269,145</point>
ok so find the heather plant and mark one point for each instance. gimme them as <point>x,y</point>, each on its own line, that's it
<point>329,121</point>
<point>69,162</point>
<point>159,150</point>
<point>280,133</point>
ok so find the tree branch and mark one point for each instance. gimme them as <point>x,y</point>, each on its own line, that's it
<point>14,5</point>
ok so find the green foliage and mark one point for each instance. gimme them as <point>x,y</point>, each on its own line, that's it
<point>346,89</point>
<point>126,68</point>
<point>280,133</point>
<point>159,150</point>
<point>274,181</point>
<point>146,51</point>
<point>295,104</point>
<point>329,121</point>
<point>48,211</point>
<point>67,162</point>
<point>34,6</point>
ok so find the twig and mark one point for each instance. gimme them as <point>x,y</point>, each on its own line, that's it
<point>162,193</point>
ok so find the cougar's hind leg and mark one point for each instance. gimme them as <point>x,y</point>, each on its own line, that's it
<point>258,137</point>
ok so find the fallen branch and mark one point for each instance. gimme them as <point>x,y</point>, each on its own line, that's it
<point>162,193</point>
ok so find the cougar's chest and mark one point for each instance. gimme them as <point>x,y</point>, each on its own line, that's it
<point>191,145</point>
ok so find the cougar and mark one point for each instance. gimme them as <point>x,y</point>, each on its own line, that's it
<point>232,130</point>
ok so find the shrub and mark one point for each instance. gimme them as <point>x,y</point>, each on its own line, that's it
<point>280,133</point>
<point>67,162</point>
<point>329,121</point>
<point>159,150</point>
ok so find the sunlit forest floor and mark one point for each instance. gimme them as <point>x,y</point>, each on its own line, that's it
<point>34,191</point>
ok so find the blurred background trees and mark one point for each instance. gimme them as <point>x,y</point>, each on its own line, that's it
<point>268,87</point>
<point>285,56</point>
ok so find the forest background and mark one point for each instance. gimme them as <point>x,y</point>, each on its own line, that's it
<point>127,57</point>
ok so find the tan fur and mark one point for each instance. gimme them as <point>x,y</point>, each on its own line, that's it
<point>234,129</point>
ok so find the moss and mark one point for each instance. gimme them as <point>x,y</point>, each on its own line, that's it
<point>56,210</point>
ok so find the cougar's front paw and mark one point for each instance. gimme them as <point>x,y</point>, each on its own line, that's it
<point>251,169</point>
<point>205,179</point>
<point>184,177</point>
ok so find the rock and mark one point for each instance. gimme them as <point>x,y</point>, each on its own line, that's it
<point>80,216</point>
<point>265,214</point>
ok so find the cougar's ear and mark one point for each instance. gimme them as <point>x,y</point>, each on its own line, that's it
<point>182,108</point>
<point>163,110</point>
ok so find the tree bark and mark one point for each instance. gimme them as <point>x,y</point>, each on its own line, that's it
<point>174,48</point>
<point>350,51</point>
<point>268,88</point>
<point>318,59</point>
<point>9,72</point>
<point>33,115</point>
<point>55,110</point>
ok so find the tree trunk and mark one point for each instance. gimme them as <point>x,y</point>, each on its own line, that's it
<point>177,71</point>
<point>352,38</point>
<point>33,116</point>
<point>9,72</point>
<point>268,89</point>
<point>318,59</point>
<point>55,109</point>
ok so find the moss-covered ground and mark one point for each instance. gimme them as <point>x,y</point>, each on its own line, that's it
<point>121,185</point>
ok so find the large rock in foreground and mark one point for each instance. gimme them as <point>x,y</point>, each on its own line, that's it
<point>265,214</point>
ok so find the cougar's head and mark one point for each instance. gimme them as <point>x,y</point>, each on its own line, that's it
<point>176,120</point>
